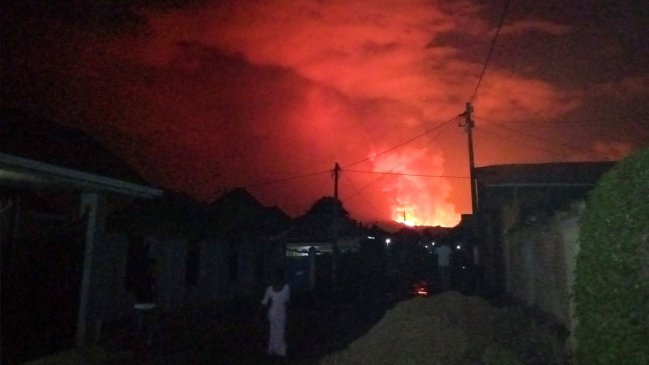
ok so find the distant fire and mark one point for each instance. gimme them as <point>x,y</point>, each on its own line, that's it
<point>417,200</point>
<point>409,216</point>
<point>406,215</point>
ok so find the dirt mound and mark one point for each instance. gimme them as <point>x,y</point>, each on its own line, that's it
<point>446,329</point>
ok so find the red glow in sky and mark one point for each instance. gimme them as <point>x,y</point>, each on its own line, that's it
<point>213,96</point>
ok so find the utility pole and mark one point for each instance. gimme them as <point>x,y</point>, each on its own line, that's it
<point>335,223</point>
<point>468,127</point>
<point>478,249</point>
<point>336,176</point>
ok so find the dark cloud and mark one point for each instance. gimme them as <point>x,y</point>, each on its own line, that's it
<point>206,96</point>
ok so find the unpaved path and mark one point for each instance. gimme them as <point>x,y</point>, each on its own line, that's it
<point>448,329</point>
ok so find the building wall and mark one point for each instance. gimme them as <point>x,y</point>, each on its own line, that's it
<point>212,285</point>
<point>170,254</point>
<point>247,267</point>
<point>495,224</point>
<point>570,231</point>
<point>256,261</point>
<point>505,211</point>
<point>111,300</point>
<point>540,263</point>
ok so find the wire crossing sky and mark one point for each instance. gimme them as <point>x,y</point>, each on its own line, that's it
<point>205,96</point>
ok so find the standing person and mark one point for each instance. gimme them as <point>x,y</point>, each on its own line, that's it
<point>276,298</point>
<point>443,253</point>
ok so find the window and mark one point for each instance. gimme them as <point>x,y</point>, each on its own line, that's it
<point>192,263</point>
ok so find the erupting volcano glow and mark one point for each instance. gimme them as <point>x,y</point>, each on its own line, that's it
<point>211,95</point>
<point>406,215</point>
<point>418,200</point>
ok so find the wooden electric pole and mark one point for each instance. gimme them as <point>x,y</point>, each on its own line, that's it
<point>336,176</point>
<point>335,228</point>
<point>468,126</point>
<point>474,229</point>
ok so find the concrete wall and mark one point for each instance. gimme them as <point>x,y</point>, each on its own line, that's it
<point>110,300</point>
<point>540,261</point>
<point>111,303</point>
<point>213,282</point>
<point>170,255</point>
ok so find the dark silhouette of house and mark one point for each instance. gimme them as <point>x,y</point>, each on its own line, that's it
<point>56,187</point>
<point>77,224</point>
<point>319,243</point>
<point>249,231</point>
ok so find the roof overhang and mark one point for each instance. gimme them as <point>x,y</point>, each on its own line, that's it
<point>536,185</point>
<point>22,172</point>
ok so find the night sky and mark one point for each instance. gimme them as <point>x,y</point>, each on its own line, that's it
<point>205,96</point>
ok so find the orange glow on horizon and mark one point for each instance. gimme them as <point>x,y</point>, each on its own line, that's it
<point>408,216</point>
<point>417,200</point>
<point>205,98</point>
<point>405,216</point>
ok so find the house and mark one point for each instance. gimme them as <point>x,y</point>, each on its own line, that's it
<point>320,246</point>
<point>248,231</point>
<point>57,187</point>
<point>178,234</point>
<point>527,227</point>
<point>77,226</point>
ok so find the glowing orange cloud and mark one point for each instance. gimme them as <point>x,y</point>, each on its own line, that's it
<point>383,57</point>
<point>237,93</point>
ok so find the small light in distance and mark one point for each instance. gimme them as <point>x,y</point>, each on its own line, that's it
<point>387,241</point>
<point>421,289</point>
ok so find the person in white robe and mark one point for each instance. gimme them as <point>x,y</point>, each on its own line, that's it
<point>276,297</point>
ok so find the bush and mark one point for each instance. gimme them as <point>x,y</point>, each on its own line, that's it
<point>612,274</point>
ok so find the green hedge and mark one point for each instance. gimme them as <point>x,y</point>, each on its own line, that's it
<point>612,275</point>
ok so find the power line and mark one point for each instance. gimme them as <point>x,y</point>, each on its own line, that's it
<point>403,143</point>
<point>491,48</point>
<point>401,164</point>
<point>561,122</point>
<point>284,179</point>
<point>290,178</point>
<point>623,134</point>
<point>521,143</point>
<point>404,174</point>
<point>444,143</point>
<point>369,184</point>
<point>358,193</point>
<point>577,148</point>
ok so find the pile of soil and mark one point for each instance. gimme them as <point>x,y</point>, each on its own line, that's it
<point>449,329</point>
